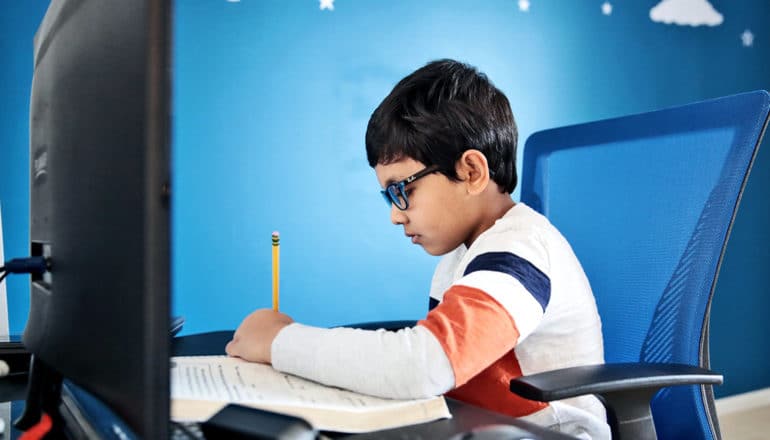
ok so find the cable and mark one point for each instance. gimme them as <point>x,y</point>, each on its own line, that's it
<point>31,265</point>
<point>39,430</point>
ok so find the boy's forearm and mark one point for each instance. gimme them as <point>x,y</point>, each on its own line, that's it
<point>406,364</point>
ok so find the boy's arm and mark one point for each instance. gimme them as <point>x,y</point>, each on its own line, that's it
<point>400,365</point>
<point>466,333</point>
<point>406,364</point>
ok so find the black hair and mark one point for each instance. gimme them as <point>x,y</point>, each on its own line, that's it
<point>437,113</point>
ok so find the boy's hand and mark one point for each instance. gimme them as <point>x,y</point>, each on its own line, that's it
<point>254,337</point>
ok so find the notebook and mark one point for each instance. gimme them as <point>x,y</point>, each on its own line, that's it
<point>202,385</point>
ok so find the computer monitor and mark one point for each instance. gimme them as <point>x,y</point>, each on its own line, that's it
<point>100,207</point>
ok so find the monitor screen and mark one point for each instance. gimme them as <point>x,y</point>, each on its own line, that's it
<point>100,203</point>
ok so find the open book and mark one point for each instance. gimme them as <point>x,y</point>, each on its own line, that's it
<point>202,385</point>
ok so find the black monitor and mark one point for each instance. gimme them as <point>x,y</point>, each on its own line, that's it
<point>100,207</point>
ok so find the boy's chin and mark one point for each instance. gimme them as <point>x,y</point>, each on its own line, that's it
<point>434,251</point>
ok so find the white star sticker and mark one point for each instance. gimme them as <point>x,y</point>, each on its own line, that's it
<point>606,8</point>
<point>524,5</point>
<point>748,38</point>
<point>326,4</point>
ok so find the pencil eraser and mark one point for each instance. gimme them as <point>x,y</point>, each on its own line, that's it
<point>276,234</point>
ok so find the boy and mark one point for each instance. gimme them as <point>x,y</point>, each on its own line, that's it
<point>509,296</point>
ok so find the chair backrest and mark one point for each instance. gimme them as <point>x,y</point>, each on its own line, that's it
<point>647,202</point>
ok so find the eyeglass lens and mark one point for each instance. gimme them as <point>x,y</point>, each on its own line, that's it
<point>396,195</point>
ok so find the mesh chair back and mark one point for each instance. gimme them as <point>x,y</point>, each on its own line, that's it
<point>647,202</point>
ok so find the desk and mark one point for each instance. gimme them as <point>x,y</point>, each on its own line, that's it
<point>465,417</point>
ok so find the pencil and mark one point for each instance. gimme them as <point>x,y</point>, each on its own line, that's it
<point>276,268</point>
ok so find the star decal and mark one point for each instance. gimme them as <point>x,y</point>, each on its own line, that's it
<point>326,4</point>
<point>748,38</point>
<point>606,8</point>
<point>524,5</point>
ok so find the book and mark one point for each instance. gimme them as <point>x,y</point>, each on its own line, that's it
<point>202,385</point>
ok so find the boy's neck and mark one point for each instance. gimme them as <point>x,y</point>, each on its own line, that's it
<point>496,208</point>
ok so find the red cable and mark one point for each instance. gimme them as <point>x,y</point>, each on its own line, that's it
<point>39,430</point>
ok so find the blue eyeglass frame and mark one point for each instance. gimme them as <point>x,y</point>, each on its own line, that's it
<point>396,191</point>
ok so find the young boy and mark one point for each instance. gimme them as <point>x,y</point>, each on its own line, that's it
<point>509,296</point>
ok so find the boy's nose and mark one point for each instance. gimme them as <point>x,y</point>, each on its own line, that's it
<point>397,216</point>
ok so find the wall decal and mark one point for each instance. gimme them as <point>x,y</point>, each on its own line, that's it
<point>747,38</point>
<point>686,12</point>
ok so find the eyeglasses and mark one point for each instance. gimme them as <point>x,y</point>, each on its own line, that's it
<point>395,193</point>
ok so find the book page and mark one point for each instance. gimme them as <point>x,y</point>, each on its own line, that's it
<point>201,385</point>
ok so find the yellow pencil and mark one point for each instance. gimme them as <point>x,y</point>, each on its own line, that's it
<point>276,268</point>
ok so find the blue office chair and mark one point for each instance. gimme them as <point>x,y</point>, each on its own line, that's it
<point>647,203</point>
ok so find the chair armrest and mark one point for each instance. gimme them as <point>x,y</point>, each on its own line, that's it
<point>387,325</point>
<point>625,390</point>
<point>599,379</point>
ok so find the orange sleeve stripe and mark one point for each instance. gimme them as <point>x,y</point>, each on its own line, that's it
<point>473,329</point>
<point>489,389</point>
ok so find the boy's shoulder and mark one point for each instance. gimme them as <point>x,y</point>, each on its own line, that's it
<point>521,228</point>
<point>521,231</point>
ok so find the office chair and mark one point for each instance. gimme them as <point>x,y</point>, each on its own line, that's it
<point>647,203</point>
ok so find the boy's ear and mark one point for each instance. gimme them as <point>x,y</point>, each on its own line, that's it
<point>473,170</point>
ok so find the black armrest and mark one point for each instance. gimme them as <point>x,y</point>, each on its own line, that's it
<point>387,325</point>
<point>598,379</point>
<point>625,390</point>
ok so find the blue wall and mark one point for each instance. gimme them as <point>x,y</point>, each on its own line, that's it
<point>18,22</point>
<point>271,100</point>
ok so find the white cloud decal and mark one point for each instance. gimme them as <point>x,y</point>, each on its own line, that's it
<point>686,12</point>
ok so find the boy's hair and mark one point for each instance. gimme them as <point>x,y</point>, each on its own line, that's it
<point>437,113</point>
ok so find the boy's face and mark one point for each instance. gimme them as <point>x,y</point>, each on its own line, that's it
<point>435,218</point>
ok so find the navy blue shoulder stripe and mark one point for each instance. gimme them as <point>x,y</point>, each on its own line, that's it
<point>432,303</point>
<point>537,283</point>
